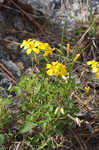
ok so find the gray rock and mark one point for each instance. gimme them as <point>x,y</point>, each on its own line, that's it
<point>26,60</point>
<point>59,11</point>
<point>4,83</point>
<point>18,23</point>
<point>12,67</point>
<point>3,53</point>
<point>12,45</point>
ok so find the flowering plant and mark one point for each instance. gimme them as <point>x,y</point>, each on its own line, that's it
<point>95,67</point>
<point>56,69</point>
<point>36,46</point>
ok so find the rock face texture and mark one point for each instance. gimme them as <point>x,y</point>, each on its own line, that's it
<point>59,11</point>
<point>6,63</point>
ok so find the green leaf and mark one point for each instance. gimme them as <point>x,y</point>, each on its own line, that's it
<point>44,125</point>
<point>37,88</point>
<point>59,132</point>
<point>1,139</point>
<point>42,146</point>
<point>27,127</point>
<point>1,100</point>
<point>18,90</point>
<point>70,105</point>
<point>2,148</point>
<point>8,101</point>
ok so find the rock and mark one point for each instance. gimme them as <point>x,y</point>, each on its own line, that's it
<point>1,1</point>
<point>20,65</point>
<point>59,11</point>
<point>2,26</point>
<point>6,62</point>
<point>26,60</point>
<point>18,23</point>
<point>12,67</point>
<point>4,83</point>
<point>39,5</point>
<point>12,45</point>
<point>3,53</point>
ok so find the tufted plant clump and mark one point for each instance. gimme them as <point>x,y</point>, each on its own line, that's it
<point>46,102</point>
<point>49,101</point>
<point>46,106</point>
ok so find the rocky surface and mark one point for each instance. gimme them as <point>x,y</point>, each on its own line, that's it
<point>10,52</point>
<point>14,28</point>
<point>59,11</point>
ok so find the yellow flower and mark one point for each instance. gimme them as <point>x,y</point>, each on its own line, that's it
<point>68,49</point>
<point>25,43</point>
<point>48,66</point>
<point>36,50</point>
<point>76,57</point>
<point>56,69</point>
<point>44,46</point>
<point>97,75</point>
<point>95,67</point>
<point>35,46</point>
<point>28,51</point>
<point>55,63</point>
<point>52,68</point>
<point>37,43</point>
<point>50,72</point>
<point>30,45</point>
<point>91,62</point>
<point>47,52</point>
<point>87,89</point>
<point>61,69</point>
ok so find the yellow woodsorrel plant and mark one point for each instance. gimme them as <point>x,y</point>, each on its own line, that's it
<point>46,105</point>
